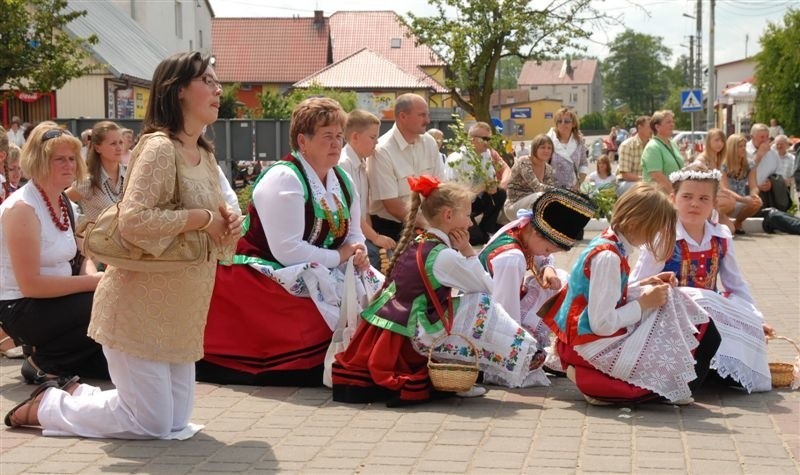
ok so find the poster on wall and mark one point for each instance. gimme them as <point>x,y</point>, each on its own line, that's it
<point>124,103</point>
<point>141,96</point>
<point>379,103</point>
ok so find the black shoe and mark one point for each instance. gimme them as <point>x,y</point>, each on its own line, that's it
<point>35,375</point>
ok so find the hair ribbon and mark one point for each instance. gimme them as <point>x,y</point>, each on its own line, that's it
<point>423,184</point>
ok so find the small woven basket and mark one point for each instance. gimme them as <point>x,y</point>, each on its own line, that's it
<point>782,373</point>
<point>453,377</point>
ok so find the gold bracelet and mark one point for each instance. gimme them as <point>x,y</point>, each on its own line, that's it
<point>210,220</point>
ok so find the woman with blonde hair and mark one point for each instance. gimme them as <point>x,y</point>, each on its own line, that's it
<point>740,180</point>
<point>712,158</point>
<point>569,160</point>
<point>45,301</point>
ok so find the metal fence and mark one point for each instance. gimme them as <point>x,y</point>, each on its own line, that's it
<point>237,140</point>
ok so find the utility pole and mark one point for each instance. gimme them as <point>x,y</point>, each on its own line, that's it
<point>699,55</point>
<point>692,83</point>
<point>711,119</point>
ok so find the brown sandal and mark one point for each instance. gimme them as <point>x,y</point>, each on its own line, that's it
<point>31,417</point>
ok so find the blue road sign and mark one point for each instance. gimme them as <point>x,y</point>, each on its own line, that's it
<point>691,100</point>
<point>498,125</point>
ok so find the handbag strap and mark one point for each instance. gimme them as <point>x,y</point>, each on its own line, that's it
<point>448,324</point>
<point>177,189</point>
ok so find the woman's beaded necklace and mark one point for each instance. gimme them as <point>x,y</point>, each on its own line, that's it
<point>63,223</point>
<point>338,228</point>
<point>112,195</point>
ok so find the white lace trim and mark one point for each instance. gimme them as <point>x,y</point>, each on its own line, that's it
<point>656,352</point>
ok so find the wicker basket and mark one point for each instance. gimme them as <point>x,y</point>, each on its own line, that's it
<point>453,377</point>
<point>782,373</point>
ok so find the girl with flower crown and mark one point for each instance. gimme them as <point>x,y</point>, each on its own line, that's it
<point>622,342</point>
<point>703,258</point>
<point>554,223</point>
<point>273,311</point>
<point>387,357</point>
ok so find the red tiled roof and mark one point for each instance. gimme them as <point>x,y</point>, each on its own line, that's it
<point>550,72</point>
<point>269,50</point>
<point>364,69</point>
<point>353,30</point>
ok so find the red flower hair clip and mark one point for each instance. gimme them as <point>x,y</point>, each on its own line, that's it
<point>423,184</point>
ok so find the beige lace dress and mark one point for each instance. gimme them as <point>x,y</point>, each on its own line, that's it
<point>159,316</point>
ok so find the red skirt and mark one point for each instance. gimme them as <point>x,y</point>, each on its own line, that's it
<point>379,364</point>
<point>255,326</point>
<point>594,383</point>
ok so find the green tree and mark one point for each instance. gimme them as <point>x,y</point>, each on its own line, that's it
<point>277,106</point>
<point>636,73</point>
<point>37,53</point>
<point>473,41</point>
<point>273,106</point>
<point>593,121</point>
<point>347,99</point>
<point>228,105</point>
<point>508,72</point>
<point>778,74</point>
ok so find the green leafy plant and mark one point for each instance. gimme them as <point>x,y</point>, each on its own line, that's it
<point>472,169</point>
<point>243,195</point>
<point>604,197</point>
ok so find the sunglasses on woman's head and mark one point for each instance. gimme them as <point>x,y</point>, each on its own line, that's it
<point>53,133</point>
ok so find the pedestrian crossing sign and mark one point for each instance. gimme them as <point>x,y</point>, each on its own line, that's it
<point>691,100</point>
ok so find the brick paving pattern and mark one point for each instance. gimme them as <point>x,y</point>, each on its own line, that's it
<point>537,430</point>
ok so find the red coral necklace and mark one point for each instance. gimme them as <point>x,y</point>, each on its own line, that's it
<point>63,223</point>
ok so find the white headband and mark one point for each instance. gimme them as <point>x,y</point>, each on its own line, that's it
<point>683,175</point>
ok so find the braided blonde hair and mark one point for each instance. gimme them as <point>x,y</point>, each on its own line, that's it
<point>446,195</point>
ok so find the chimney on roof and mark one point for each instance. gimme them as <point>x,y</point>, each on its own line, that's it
<point>566,68</point>
<point>319,18</point>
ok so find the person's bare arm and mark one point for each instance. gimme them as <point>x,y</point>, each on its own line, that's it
<point>662,180</point>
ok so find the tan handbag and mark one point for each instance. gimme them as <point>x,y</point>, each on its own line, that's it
<point>103,242</point>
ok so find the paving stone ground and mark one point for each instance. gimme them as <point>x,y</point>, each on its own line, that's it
<point>539,430</point>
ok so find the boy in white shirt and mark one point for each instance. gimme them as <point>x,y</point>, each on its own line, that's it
<point>361,133</point>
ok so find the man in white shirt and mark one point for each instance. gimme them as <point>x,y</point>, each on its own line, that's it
<point>760,156</point>
<point>487,175</point>
<point>405,150</point>
<point>15,133</point>
<point>764,160</point>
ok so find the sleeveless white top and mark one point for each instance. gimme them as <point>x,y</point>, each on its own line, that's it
<point>57,247</point>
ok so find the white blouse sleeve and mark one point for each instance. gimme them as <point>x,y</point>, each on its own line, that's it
<point>604,293</point>
<point>507,277</point>
<point>731,277</point>
<point>354,233</point>
<point>227,192</point>
<point>646,266</point>
<point>279,201</point>
<point>452,269</point>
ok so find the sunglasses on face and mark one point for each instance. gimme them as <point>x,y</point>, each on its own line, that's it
<point>564,121</point>
<point>482,137</point>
